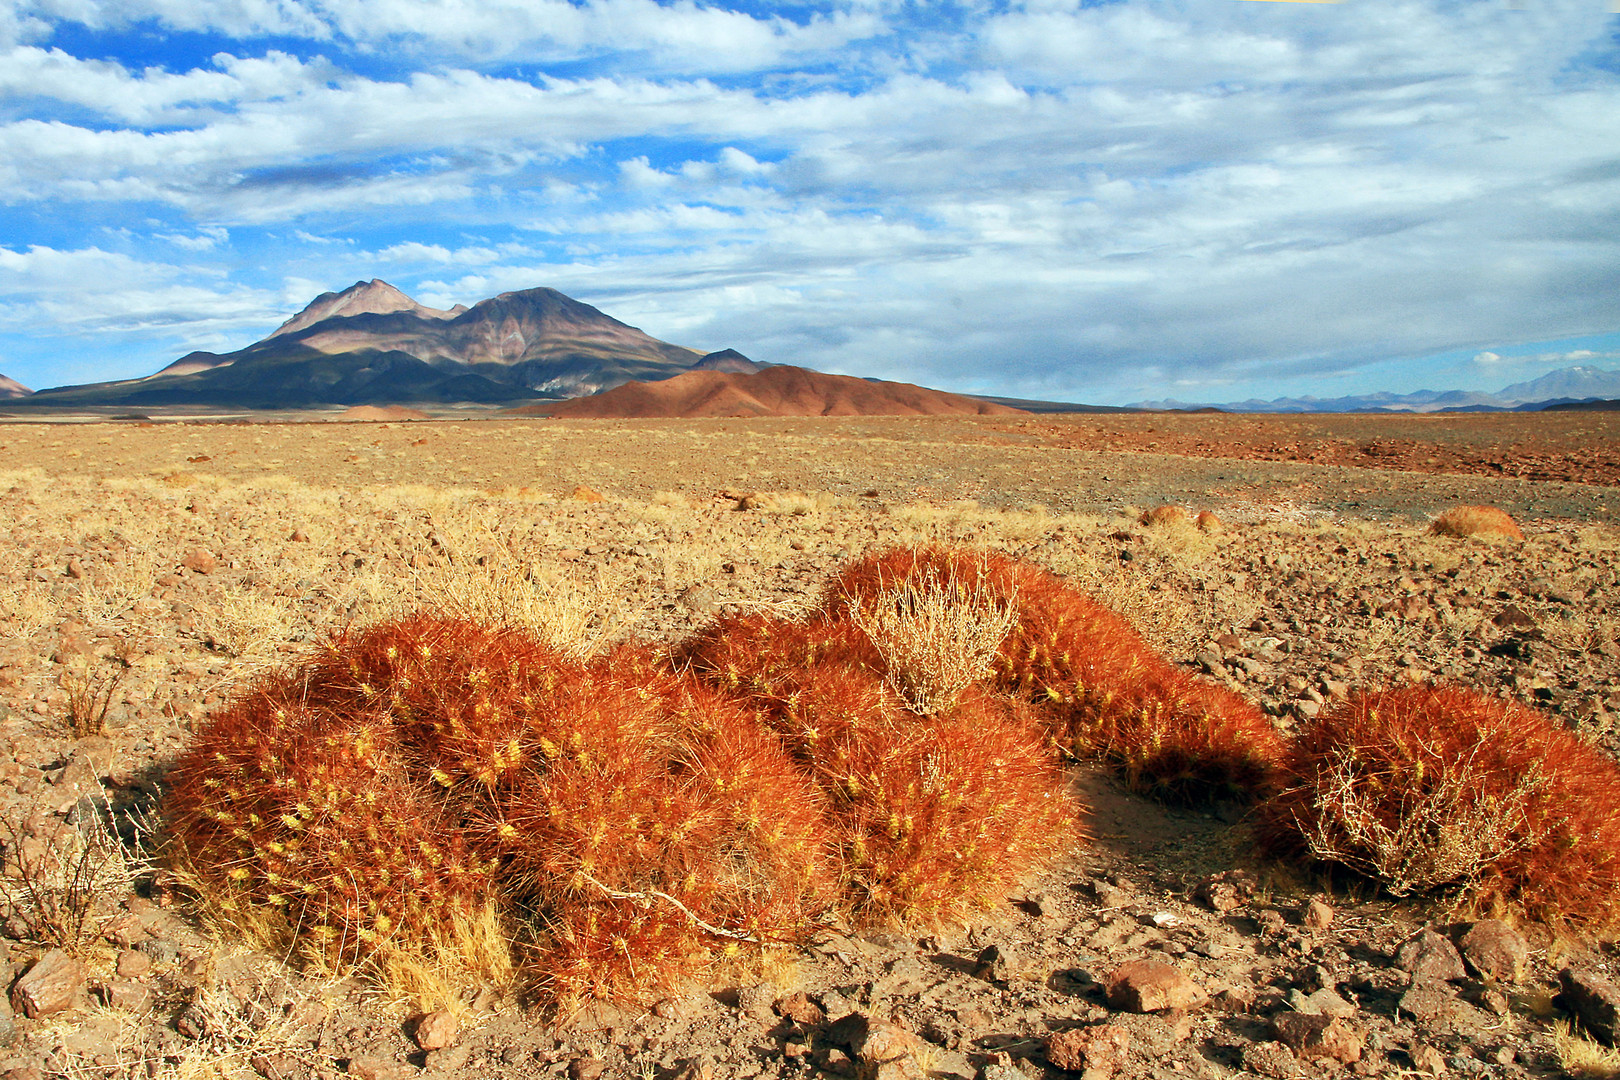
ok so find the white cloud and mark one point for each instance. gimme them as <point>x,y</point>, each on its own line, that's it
<point>1487,358</point>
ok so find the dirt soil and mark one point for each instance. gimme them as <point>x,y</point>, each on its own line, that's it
<point>153,568</point>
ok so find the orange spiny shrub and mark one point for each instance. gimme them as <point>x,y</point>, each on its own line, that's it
<point>1465,521</point>
<point>1101,689</point>
<point>1177,738</point>
<point>303,824</point>
<point>1430,787</point>
<point>939,816</point>
<point>614,795</point>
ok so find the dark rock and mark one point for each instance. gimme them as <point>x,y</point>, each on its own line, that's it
<point>1425,1000</point>
<point>1594,998</point>
<point>1319,1037</point>
<point>1495,950</point>
<point>1430,954</point>
<point>801,1010</point>
<point>191,1021</point>
<point>1271,1059</point>
<point>1225,891</point>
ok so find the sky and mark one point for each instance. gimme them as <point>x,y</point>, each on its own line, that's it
<point>1206,200</point>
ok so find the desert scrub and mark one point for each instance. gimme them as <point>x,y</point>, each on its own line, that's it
<point>934,816</point>
<point>438,787</point>
<point>1100,690</point>
<point>1488,522</point>
<point>1439,788</point>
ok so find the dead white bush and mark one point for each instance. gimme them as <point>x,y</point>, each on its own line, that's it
<point>936,637</point>
<point>1445,831</point>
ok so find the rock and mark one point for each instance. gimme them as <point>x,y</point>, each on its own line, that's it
<point>589,495</point>
<point>586,1068</point>
<point>1150,986</point>
<point>1425,1000</point>
<point>49,986</point>
<point>756,1002</point>
<point>449,1060</point>
<point>379,1068</point>
<point>1318,1037</point>
<point>126,995</point>
<point>436,1030</point>
<point>200,562</point>
<point>1226,891</point>
<point>1593,998</point>
<point>1324,1002</point>
<point>1083,1049</point>
<point>1271,1059</point>
<point>191,1021</point>
<point>800,1009</point>
<point>887,1051</point>
<point>1494,950</point>
<point>274,1066</point>
<point>1426,1059</point>
<point>996,964</point>
<point>132,964</point>
<point>1430,954</point>
<point>698,600</point>
<point>1317,914</point>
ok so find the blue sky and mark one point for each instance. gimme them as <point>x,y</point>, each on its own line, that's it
<point>1207,200</point>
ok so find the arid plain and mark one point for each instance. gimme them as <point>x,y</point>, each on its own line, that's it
<point>148,570</point>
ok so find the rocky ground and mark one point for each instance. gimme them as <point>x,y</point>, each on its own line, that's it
<point>147,572</point>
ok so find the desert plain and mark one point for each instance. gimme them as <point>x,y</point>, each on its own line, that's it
<point>151,568</point>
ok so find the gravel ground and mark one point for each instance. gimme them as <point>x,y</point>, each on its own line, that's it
<point>154,569</point>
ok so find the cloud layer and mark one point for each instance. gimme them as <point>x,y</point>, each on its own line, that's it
<point>1105,202</point>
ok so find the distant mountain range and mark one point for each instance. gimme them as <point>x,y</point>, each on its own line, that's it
<point>372,344</point>
<point>1567,386</point>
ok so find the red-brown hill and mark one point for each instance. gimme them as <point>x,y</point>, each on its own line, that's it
<point>775,391</point>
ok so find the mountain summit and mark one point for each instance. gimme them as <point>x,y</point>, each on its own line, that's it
<point>373,344</point>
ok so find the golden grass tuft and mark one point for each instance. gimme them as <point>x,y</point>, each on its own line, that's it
<point>1488,522</point>
<point>1166,516</point>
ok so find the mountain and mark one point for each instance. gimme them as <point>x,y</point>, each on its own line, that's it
<point>1573,384</point>
<point>728,360</point>
<point>778,390</point>
<point>372,344</point>
<point>11,388</point>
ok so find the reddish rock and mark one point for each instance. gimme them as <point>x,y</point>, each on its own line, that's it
<point>1495,950</point>
<point>800,1009</point>
<point>49,986</point>
<point>200,562</point>
<point>1081,1049</point>
<point>1318,1037</point>
<point>1430,954</point>
<point>585,494</point>
<point>887,1052</point>
<point>436,1030</point>
<point>1225,891</point>
<point>378,1068</point>
<point>1317,915</point>
<point>1151,986</point>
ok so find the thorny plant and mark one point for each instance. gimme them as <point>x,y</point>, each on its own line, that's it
<point>62,879</point>
<point>1445,832</point>
<point>937,636</point>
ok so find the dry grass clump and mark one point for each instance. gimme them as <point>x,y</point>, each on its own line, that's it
<point>1428,787</point>
<point>1483,521</point>
<point>936,637</point>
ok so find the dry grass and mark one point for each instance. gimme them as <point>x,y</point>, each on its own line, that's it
<point>1581,1057</point>
<point>937,636</point>
<point>1428,787</point>
<point>64,881</point>
<point>1484,522</point>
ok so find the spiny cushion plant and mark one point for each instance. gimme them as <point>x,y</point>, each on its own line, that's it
<point>639,818</point>
<point>1432,787</point>
<point>1486,521</point>
<point>1103,690</point>
<point>935,816</point>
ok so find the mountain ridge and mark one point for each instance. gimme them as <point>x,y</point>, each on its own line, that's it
<point>1580,382</point>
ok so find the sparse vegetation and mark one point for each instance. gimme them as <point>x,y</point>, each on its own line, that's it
<point>1490,522</point>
